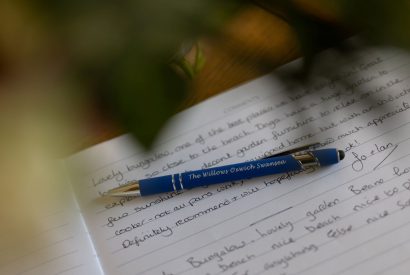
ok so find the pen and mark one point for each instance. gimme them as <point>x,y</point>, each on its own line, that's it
<point>293,160</point>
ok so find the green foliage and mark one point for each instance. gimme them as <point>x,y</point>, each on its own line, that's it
<point>380,21</point>
<point>190,69</point>
<point>119,52</point>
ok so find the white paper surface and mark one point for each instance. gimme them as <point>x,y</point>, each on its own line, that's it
<point>350,218</point>
<point>54,240</point>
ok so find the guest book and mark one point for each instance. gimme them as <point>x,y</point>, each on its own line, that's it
<point>350,218</point>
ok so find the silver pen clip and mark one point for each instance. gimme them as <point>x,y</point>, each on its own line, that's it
<point>302,154</point>
<point>297,151</point>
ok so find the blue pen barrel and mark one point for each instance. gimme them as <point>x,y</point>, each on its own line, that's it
<point>157,185</point>
<point>327,156</point>
<point>240,171</point>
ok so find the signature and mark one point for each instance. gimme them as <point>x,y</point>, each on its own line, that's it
<point>359,160</point>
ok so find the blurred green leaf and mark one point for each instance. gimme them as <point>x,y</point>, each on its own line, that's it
<point>147,94</point>
<point>190,69</point>
<point>382,22</point>
<point>121,50</point>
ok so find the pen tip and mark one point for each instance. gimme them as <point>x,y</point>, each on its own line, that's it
<point>127,190</point>
<point>341,154</point>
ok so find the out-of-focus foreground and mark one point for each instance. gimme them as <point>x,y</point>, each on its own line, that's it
<point>68,66</point>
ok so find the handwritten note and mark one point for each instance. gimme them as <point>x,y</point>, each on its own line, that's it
<point>351,218</point>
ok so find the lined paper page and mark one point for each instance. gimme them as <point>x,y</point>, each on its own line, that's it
<point>53,241</point>
<point>350,218</point>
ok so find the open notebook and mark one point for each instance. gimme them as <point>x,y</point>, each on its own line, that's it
<point>350,218</point>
